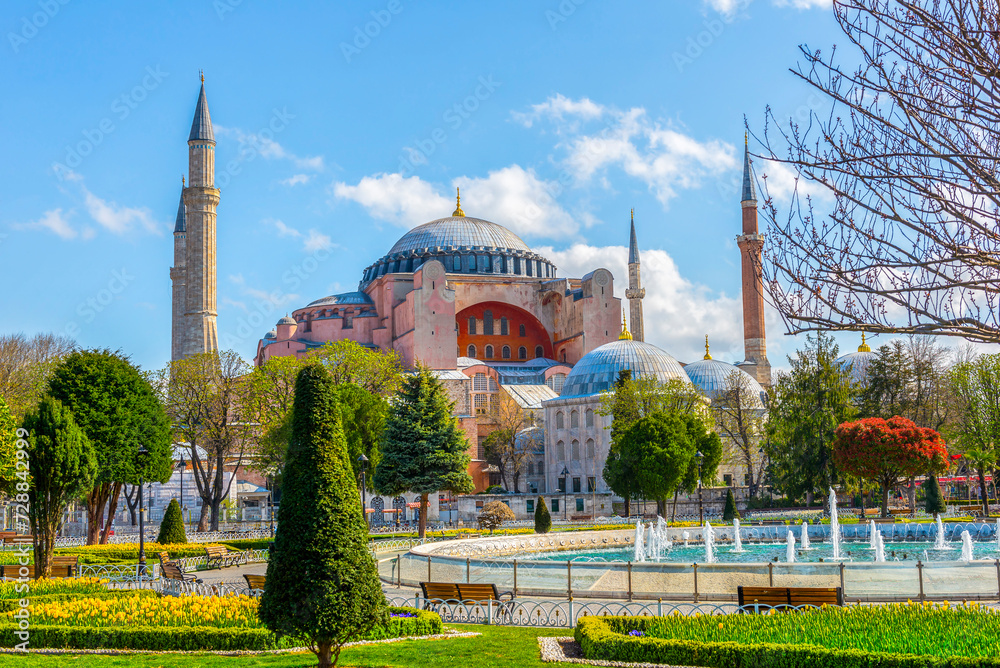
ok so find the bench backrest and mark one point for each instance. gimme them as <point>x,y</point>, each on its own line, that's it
<point>14,571</point>
<point>774,596</point>
<point>216,550</point>
<point>66,560</point>
<point>164,557</point>
<point>255,581</point>
<point>478,592</point>
<point>441,591</point>
<point>172,571</point>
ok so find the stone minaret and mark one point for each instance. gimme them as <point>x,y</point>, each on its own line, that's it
<point>201,198</point>
<point>177,280</point>
<point>751,242</point>
<point>635,291</point>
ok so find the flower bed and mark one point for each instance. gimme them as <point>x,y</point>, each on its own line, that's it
<point>906,635</point>
<point>135,620</point>
<point>75,586</point>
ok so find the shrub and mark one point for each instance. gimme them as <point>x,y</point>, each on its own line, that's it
<point>543,520</point>
<point>494,514</point>
<point>933,498</point>
<point>172,526</point>
<point>730,513</point>
<point>322,584</point>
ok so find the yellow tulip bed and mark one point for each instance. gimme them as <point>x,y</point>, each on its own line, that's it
<point>13,590</point>
<point>144,620</point>
<point>901,635</point>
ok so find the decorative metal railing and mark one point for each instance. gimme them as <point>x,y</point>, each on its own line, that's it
<point>119,573</point>
<point>193,537</point>
<point>169,587</point>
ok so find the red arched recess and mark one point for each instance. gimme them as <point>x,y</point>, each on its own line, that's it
<point>534,333</point>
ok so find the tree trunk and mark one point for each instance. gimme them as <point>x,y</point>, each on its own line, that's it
<point>131,501</point>
<point>673,513</point>
<point>661,507</point>
<point>203,518</point>
<point>885,500</point>
<point>216,506</point>
<point>96,498</point>
<point>911,494</point>
<point>423,516</point>
<point>116,489</point>
<point>982,490</point>
<point>628,511</point>
<point>324,654</point>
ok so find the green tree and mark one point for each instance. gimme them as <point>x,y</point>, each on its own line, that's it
<point>423,450</point>
<point>977,432</point>
<point>62,465</point>
<point>708,443</point>
<point>8,449</point>
<point>377,371</point>
<point>363,414</point>
<point>662,447</point>
<point>172,526</point>
<point>730,512</point>
<point>933,498</point>
<point>116,407</point>
<point>322,583</point>
<point>805,408</point>
<point>543,520</point>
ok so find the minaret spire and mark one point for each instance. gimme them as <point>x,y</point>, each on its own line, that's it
<point>178,282</point>
<point>635,291</point>
<point>751,242</point>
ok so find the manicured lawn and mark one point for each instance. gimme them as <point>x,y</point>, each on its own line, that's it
<point>498,647</point>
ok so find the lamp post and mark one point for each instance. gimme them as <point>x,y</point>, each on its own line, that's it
<point>701,509</point>
<point>270,503</point>
<point>182,465</point>
<point>143,451</point>
<point>564,474</point>
<point>363,465</point>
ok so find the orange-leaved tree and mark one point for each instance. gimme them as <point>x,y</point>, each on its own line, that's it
<point>888,451</point>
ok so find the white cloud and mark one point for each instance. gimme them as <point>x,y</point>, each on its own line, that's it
<point>727,7</point>
<point>118,219</point>
<point>558,107</point>
<point>730,7</point>
<point>283,229</point>
<point>803,4</point>
<point>316,241</point>
<point>781,181</point>
<point>401,201</point>
<point>269,149</point>
<point>297,179</point>
<point>54,221</point>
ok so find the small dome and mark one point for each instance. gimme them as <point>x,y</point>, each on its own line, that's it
<point>598,370</point>
<point>287,321</point>
<point>271,335</point>
<point>711,377</point>
<point>856,364</point>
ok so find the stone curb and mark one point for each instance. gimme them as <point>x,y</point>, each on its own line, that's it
<point>565,649</point>
<point>289,650</point>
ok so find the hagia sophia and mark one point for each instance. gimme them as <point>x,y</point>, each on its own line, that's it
<point>469,299</point>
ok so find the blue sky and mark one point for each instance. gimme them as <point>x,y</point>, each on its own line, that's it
<point>345,124</point>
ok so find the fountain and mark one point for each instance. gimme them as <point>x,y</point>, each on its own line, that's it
<point>966,547</point>
<point>939,542</point>
<point>709,543</point>
<point>879,546</point>
<point>739,541</point>
<point>872,531</point>
<point>790,549</point>
<point>686,536</point>
<point>804,539</point>
<point>834,525</point>
<point>640,552</point>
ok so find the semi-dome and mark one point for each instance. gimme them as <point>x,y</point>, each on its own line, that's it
<point>287,320</point>
<point>856,364</point>
<point>464,245</point>
<point>711,377</point>
<point>271,335</point>
<point>599,369</point>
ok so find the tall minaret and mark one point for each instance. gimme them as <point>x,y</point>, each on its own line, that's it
<point>178,279</point>
<point>635,291</point>
<point>201,198</point>
<point>751,242</point>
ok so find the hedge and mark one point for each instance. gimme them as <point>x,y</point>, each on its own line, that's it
<point>9,604</point>
<point>599,641</point>
<point>175,638</point>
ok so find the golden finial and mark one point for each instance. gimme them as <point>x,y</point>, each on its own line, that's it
<point>633,215</point>
<point>202,73</point>
<point>624,336</point>
<point>708,355</point>
<point>458,204</point>
<point>746,139</point>
<point>864,347</point>
<point>183,182</point>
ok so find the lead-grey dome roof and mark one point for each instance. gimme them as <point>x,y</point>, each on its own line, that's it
<point>711,378</point>
<point>598,370</point>
<point>456,232</point>
<point>856,364</point>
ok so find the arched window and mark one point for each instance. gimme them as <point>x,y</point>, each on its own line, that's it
<point>503,326</point>
<point>564,355</point>
<point>488,323</point>
<point>489,352</point>
<point>556,382</point>
<point>472,326</point>
<point>521,331</point>
<point>471,350</point>
<point>457,263</point>
<point>574,420</point>
<point>591,451</point>
<point>559,420</point>
<point>590,418</point>
<point>522,353</point>
<point>576,450</point>
<point>505,352</point>
<point>561,451</point>
<point>541,467</point>
<point>470,262</point>
<point>540,352</point>
<point>531,467</point>
<point>480,383</point>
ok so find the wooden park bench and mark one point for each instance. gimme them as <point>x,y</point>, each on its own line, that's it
<point>975,511</point>
<point>171,571</point>
<point>13,571</point>
<point>221,556</point>
<point>771,597</point>
<point>70,560</point>
<point>15,539</point>
<point>442,593</point>
<point>255,581</point>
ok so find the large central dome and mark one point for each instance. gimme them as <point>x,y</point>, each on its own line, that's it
<point>456,232</point>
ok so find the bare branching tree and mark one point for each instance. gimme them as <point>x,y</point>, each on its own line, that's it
<point>506,446</point>
<point>909,155</point>
<point>740,420</point>
<point>25,363</point>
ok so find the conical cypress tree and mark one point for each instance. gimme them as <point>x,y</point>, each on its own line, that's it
<point>322,585</point>
<point>730,513</point>
<point>423,450</point>
<point>933,498</point>
<point>543,520</point>
<point>172,526</point>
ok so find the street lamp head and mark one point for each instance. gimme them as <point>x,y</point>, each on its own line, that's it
<point>143,450</point>
<point>182,464</point>
<point>363,461</point>
<point>565,471</point>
